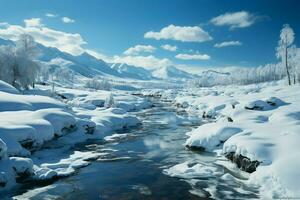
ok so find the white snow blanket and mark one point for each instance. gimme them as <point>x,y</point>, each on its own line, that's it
<point>264,127</point>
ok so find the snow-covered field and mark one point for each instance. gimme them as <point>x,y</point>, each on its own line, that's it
<point>255,126</point>
<point>31,123</point>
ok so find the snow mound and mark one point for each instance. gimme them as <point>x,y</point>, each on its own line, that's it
<point>211,135</point>
<point>16,102</point>
<point>5,87</point>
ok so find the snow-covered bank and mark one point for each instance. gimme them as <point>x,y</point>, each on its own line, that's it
<point>34,120</point>
<point>256,126</point>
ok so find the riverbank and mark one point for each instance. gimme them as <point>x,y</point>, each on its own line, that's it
<point>254,126</point>
<point>37,127</point>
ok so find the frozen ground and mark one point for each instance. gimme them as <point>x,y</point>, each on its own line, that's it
<point>254,126</point>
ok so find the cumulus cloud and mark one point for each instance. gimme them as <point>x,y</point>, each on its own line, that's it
<point>51,15</point>
<point>180,33</point>
<point>228,43</point>
<point>169,47</point>
<point>33,22</point>
<point>149,62</point>
<point>67,20</point>
<point>240,19</point>
<point>192,56</point>
<point>68,42</point>
<point>138,49</point>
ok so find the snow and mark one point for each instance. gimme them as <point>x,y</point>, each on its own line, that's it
<point>22,165</point>
<point>189,170</point>
<point>5,87</point>
<point>31,121</point>
<point>211,135</point>
<point>264,127</point>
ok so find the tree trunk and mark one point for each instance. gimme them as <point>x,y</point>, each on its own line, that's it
<point>286,66</point>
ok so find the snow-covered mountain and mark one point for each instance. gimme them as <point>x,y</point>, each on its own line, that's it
<point>88,66</point>
<point>170,72</point>
<point>129,71</point>
<point>84,64</point>
<point>213,77</point>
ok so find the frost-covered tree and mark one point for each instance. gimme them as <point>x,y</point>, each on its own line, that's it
<point>27,47</point>
<point>44,73</point>
<point>18,65</point>
<point>295,62</point>
<point>7,63</point>
<point>64,75</point>
<point>26,55</point>
<point>109,101</point>
<point>97,84</point>
<point>284,52</point>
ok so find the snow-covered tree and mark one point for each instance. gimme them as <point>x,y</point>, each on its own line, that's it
<point>295,62</point>
<point>44,72</point>
<point>7,63</point>
<point>18,65</point>
<point>97,84</point>
<point>26,54</point>
<point>64,75</point>
<point>284,49</point>
<point>109,101</point>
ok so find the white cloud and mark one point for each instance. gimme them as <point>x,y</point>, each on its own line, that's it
<point>228,43</point>
<point>67,20</point>
<point>240,19</point>
<point>149,62</point>
<point>68,42</point>
<point>33,22</point>
<point>138,49</point>
<point>169,47</point>
<point>192,56</point>
<point>51,15</point>
<point>180,33</point>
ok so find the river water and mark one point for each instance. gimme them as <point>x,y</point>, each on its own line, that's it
<point>132,166</point>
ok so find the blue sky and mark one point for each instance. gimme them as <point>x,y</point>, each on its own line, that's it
<point>250,29</point>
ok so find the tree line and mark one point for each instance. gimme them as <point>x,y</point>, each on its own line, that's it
<point>288,66</point>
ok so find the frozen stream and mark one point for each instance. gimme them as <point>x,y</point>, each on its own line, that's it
<point>132,166</point>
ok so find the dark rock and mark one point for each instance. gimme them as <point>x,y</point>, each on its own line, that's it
<point>243,162</point>
<point>195,148</point>
<point>27,144</point>
<point>229,119</point>
<point>89,129</point>
<point>61,96</point>
<point>69,129</point>
<point>22,175</point>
